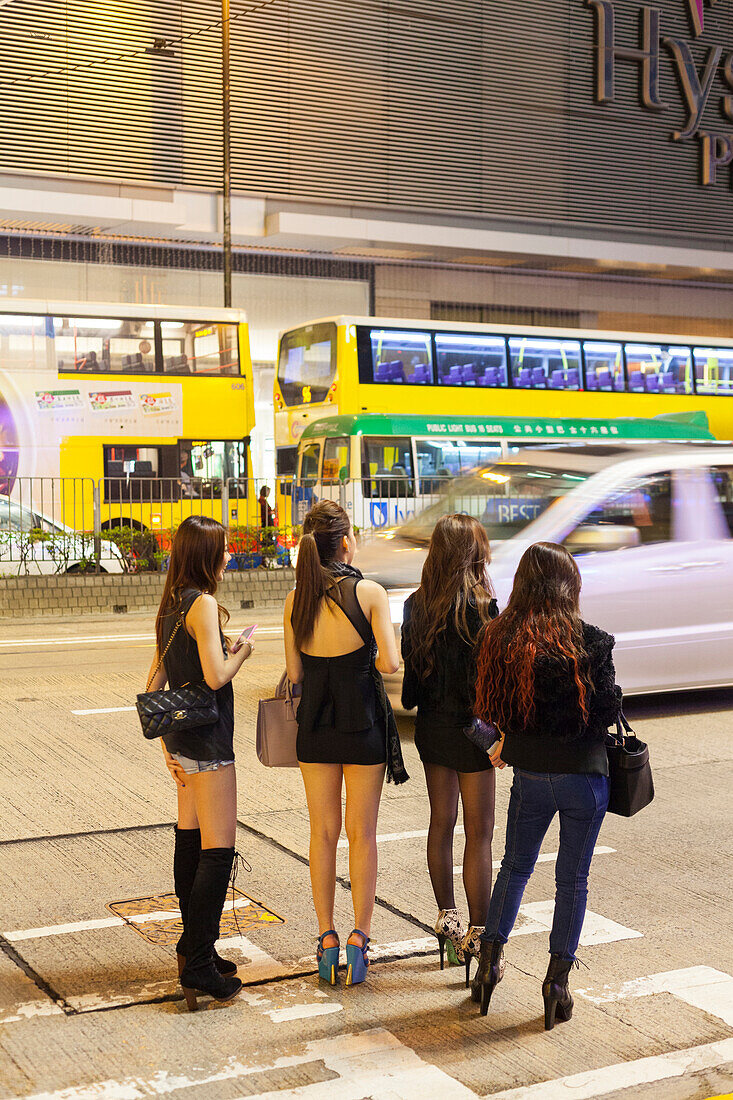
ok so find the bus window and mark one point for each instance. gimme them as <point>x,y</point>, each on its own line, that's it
<point>192,347</point>
<point>604,366</point>
<point>104,345</point>
<point>390,461</point>
<point>336,459</point>
<point>23,344</point>
<point>219,460</point>
<point>658,368</point>
<point>452,457</point>
<point>400,358</point>
<point>307,364</point>
<point>714,370</point>
<point>287,461</point>
<point>470,360</point>
<point>310,458</point>
<point>545,364</point>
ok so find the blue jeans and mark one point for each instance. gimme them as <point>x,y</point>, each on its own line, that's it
<point>581,801</point>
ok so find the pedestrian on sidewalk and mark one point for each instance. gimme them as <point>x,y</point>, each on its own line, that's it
<point>443,622</point>
<point>201,760</point>
<point>546,680</point>
<point>338,640</point>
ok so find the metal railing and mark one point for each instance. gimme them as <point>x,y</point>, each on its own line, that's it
<point>125,524</point>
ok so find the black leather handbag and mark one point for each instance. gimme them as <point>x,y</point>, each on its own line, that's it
<point>629,770</point>
<point>176,709</point>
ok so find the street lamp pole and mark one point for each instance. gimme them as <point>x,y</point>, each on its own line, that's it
<point>226,154</point>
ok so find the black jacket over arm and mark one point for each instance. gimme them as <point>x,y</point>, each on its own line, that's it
<point>557,740</point>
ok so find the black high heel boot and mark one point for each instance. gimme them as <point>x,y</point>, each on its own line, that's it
<point>555,992</point>
<point>185,861</point>
<point>491,965</point>
<point>206,902</point>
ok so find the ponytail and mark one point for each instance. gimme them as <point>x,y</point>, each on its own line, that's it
<point>323,529</point>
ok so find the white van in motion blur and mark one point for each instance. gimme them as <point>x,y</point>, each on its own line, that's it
<point>651,528</point>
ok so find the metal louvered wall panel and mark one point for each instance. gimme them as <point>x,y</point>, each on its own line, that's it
<point>477,108</point>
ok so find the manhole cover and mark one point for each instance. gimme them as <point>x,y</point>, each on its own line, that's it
<point>158,918</point>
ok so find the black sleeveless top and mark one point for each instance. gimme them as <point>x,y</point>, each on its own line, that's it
<point>339,692</point>
<point>183,666</point>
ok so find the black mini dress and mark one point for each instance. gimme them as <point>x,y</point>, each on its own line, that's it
<point>339,720</point>
<point>183,666</point>
<point>444,700</point>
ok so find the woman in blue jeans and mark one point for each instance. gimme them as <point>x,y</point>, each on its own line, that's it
<point>546,680</point>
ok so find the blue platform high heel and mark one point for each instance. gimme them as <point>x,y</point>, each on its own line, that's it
<point>357,959</point>
<point>328,958</point>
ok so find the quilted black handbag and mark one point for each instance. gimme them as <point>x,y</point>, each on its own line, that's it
<point>629,770</point>
<point>176,709</point>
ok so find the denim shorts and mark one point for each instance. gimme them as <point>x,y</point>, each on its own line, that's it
<point>192,767</point>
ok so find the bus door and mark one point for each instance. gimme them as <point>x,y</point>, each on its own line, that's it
<point>336,483</point>
<point>305,490</point>
<point>387,480</point>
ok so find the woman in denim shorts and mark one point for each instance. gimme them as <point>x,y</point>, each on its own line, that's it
<point>201,760</point>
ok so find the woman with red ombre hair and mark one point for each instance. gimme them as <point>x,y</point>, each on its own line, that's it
<point>546,680</point>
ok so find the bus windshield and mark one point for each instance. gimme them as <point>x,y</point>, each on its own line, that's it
<point>505,498</point>
<point>307,363</point>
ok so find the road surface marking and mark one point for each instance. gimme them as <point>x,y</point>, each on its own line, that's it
<point>373,1063</point>
<point>41,640</point>
<point>414,834</point>
<point>107,922</point>
<point>104,710</point>
<point>596,929</point>
<point>700,986</point>
<point>302,1011</point>
<point>546,857</point>
<point>62,929</point>
<point>624,1075</point>
<point>28,1009</point>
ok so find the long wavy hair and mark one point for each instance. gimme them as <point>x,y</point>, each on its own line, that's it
<point>455,572</point>
<point>324,528</point>
<point>197,558</point>
<point>541,620</point>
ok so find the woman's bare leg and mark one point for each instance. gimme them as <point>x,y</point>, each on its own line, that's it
<point>187,818</point>
<point>323,784</point>
<point>477,796</point>
<point>214,796</point>
<point>364,784</point>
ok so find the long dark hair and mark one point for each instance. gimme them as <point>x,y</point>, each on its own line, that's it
<point>197,557</point>
<point>323,529</point>
<point>454,573</point>
<point>542,619</point>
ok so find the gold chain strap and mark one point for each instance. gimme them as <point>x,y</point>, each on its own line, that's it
<point>160,662</point>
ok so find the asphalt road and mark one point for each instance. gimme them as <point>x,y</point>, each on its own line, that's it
<point>89,1005</point>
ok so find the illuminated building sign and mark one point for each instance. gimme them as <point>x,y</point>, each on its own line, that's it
<point>699,85</point>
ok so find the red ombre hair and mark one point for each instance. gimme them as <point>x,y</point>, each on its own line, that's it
<point>541,620</point>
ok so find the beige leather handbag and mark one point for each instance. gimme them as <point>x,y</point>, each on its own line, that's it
<point>277,726</point>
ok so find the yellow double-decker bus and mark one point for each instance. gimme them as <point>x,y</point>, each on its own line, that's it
<point>351,365</point>
<point>148,407</point>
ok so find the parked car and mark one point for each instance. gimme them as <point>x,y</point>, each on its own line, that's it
<point>651,529</point>
<point>32,543</point>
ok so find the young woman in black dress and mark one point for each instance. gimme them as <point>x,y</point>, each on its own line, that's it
<point>201,760</point>
<point>338,638</point>
<point>443,621</point>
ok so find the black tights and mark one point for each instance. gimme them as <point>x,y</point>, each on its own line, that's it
<point>477,796</point>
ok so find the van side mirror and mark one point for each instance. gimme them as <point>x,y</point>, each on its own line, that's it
<point>600,537</point>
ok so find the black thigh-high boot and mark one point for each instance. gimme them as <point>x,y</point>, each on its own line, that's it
<point>205,905</point>
<point>185,863</point>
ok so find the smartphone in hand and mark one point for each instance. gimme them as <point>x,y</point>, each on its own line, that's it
<point>246,636</point>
